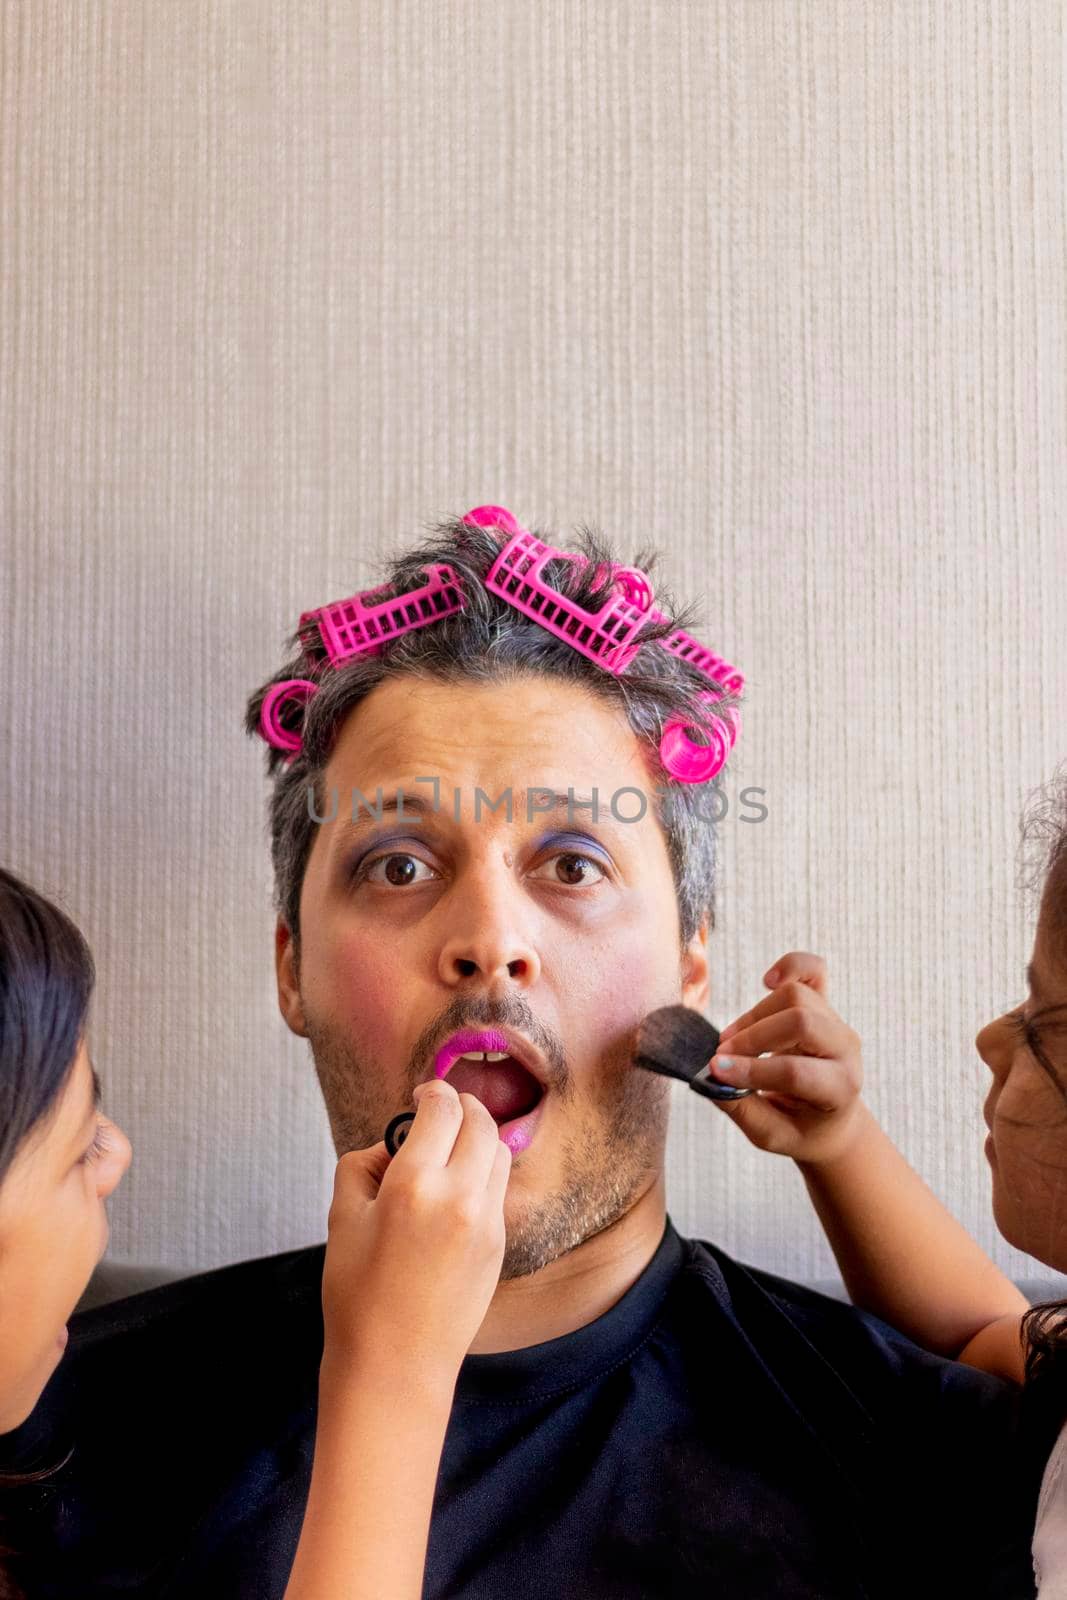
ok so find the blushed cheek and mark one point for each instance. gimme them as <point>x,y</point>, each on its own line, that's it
<point>374,990</point>
<point>354,978</point>
<point>608,994</point>
<point>366,995</point>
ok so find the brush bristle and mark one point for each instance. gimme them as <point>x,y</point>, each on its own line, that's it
<point>676,1041</point>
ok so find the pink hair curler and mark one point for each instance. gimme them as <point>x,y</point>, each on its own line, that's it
<point>690,762</point>
<point>635,586</point>
<point>607,637</point>
<point>682,644</point>
<point>632,583</point>
<point>270,724</point>
<point>604,636</point>
<point>355,628</point>
<point>682,757</point>
<point>493,517</point>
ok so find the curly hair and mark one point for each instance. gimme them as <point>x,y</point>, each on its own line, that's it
<point>1043,872</point>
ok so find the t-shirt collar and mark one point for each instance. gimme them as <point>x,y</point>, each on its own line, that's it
<point>567,1362</point>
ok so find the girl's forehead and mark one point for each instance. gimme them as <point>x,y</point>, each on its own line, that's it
<point>78,1099</point>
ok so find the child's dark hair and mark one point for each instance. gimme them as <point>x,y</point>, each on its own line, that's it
<point>46,980</point>
<point>1044,868</point>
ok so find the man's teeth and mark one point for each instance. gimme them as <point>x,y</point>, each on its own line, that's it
<point>483,1055</point>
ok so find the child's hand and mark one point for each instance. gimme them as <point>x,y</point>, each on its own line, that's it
<point>808,1106</point>
<point>416,1242</point>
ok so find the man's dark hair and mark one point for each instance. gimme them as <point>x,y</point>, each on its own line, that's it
<point>489,641</point>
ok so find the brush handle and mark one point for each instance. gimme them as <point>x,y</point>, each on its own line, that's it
<point>703,1083</point>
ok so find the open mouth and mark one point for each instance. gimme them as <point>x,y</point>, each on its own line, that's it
<point>482,1065</point>
<point>502,1084</point>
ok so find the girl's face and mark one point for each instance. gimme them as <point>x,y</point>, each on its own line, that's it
<point>1026,1108</point>
<point>53,1231</point>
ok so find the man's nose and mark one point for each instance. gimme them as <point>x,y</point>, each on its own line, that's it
<point>490,954</point>
<point>486,936</point>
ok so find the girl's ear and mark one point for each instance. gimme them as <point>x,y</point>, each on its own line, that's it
<point>289,1002</point>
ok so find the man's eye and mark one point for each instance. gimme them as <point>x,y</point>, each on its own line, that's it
<point>399,868</point>
<point>573,861</point>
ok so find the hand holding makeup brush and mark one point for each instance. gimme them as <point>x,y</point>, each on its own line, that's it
<point>901,1254</point>
<point>802,1058</point>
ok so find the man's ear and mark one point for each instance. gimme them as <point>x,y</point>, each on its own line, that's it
<point>289,1002</point>
<point>696,987</point>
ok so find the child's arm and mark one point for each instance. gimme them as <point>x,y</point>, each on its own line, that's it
<point>412,1261</point>
<point>377,1451</point>
<point>900,1252</point>
<point>904,1257</point>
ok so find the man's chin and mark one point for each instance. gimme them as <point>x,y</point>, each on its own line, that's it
<point>543,1230</point>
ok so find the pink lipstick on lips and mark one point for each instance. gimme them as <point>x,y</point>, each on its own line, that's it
<point>460,1043</point>
<point>517,1133</point>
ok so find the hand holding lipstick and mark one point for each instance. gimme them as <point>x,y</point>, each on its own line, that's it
<point>415,1247</point>
<point>803,1059</point>
<point>416,1240</point>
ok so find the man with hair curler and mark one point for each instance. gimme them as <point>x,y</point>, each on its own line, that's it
<point>630,1413</point>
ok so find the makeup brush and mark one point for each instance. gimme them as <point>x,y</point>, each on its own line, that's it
<point>678,1042</point>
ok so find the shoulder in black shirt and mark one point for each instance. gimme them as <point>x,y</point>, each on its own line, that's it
<point>719,1432</point>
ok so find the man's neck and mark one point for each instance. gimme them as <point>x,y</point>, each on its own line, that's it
<point>580,1286</point>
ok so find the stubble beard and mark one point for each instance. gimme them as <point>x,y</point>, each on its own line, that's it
<point>608,1160</point>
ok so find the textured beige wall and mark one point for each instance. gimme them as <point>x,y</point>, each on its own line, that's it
<point>779,285</point>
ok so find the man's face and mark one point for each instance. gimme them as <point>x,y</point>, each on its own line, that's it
<point>564,931</point>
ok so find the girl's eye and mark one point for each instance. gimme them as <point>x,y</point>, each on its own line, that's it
<point>99,1147</point>
<point>399,867</point>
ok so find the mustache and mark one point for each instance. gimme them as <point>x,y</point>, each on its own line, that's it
<point>510,1012</point>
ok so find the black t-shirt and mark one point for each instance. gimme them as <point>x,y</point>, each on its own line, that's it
<point>719,1432</point>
